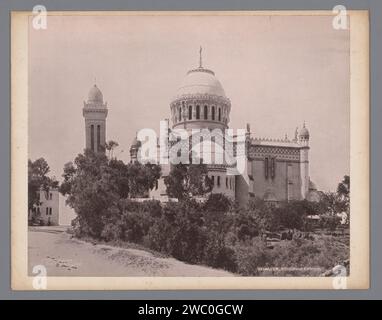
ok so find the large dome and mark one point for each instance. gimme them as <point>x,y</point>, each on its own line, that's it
<point>95,95</point>
<point>200,81</point>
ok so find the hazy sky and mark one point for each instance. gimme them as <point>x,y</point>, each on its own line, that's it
<point>277,72</point>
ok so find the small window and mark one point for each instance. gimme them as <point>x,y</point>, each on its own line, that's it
<point>266,168</point>
<point>50,211</point>
<point>213,180</point>
<point>156,185</point>
<point>218,181</point>
<point>189,112</point>
<point>213,113</point>
<point>220,114</point>
<point>197,112</point>
<point>180,113</point>
<point>46,211</point>
<point>226,182</point>
<point>50,196</point>
<point>205,112</point>
<point>92,137</point>
<point>273,168</point>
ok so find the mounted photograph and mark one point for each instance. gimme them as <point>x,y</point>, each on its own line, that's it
<point>190,150</point>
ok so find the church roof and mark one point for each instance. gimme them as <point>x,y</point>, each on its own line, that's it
<point>200,81</point>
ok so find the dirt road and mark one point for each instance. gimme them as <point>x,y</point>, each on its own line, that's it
<point>66,256</point>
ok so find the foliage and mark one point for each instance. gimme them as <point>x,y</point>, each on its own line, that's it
<point>110,146</point>
<point>217,202</point>
<point>187,181</point>
<point>217,232</point>
<point>95,185</point>
<point>264,215</point>
<point>250,257</point>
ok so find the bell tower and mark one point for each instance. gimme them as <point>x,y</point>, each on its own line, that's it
<point>95,113</point>
<point>304,160</point>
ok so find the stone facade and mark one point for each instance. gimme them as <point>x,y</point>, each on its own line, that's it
<point>275,170</point>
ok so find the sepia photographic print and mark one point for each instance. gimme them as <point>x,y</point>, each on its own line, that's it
<point>190,150</point>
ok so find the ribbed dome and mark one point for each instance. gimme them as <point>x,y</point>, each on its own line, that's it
<point>95,95</point>
<point>200,81</point>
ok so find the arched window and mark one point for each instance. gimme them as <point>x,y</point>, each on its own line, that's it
<point>213,180</point>
<point>189,112</point>
<point>205,112</point>
<point>226,182</point>
<point>92,137</point>
<point>98,138</point>
<point>220,114</point>
<point>213,113</point>
<point>218,182</point>
<point>197,112</point>
<point>180,113</point>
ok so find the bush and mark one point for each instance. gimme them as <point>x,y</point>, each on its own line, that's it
<point>217,254</point>
<point>217,202</point>
<point>250,258</point>
<point>112,230</point>
<point>330,222</point>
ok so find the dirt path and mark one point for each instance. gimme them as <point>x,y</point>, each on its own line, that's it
<point>65,256</point>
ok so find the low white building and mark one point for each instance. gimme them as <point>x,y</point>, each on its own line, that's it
<point>52,210</point>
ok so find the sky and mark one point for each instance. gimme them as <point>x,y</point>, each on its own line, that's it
<point>278,71</point>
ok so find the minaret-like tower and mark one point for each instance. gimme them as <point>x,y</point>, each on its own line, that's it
<point>95,113</point>
<point>303,140</point>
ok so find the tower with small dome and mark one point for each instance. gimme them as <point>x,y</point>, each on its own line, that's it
<point>95,113</point>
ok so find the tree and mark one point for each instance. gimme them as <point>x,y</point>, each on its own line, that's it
<point>263,215</point>
<point>142,178</point>
<point>90,193</point>
<point>95,185</point>
<point>343,192</point>
<point>186,181</point>
<point>38,180</point>
<point>110,146</point>
<point>217,202</point>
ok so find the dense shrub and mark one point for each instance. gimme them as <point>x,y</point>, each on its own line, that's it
<point>250,257</point>
<point>330,222</point>
<point>217,254</point>
<point>218,234</point>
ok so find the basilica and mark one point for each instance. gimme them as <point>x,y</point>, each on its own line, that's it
<point>274,170</point>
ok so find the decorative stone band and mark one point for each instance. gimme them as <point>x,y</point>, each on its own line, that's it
<point>94,110</point>
<point>282,153</point>
<point>95,105</point>
<point>200,69</point>
<point>201,99</point>
<point>219,167</point>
